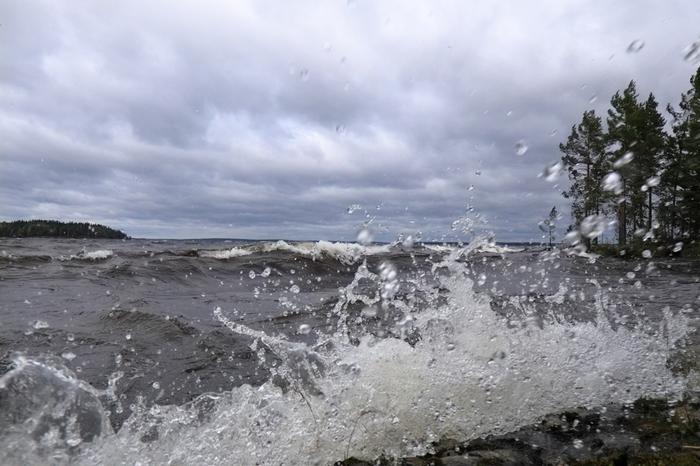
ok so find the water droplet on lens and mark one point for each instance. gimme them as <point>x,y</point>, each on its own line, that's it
<point>624,160</point>
<point>304,74</point>
<point>692,52</point>
<point>612,182</point>
<point>521,147</point>
<point>593,226</point>
<point>653,181</point>
<point>635,46</point>
<point>551,172</point>
<point>646,254</point>
<point>364,236</point>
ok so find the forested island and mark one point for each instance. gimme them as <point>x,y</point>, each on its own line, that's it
<point>639,170</point>
<point>56,229</point>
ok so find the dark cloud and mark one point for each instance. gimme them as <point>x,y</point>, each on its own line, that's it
<point>268,119</point>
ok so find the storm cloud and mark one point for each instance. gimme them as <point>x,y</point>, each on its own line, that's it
<point>268,119</point>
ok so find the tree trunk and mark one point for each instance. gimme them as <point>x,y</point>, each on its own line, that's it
<point>621,224</point>
<point>650,210</point>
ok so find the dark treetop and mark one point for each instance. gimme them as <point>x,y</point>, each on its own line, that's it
<point>54,228</point>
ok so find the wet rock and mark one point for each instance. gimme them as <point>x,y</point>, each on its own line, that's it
<point>647,432</point>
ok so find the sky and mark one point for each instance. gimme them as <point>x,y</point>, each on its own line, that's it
<point>306,120</point>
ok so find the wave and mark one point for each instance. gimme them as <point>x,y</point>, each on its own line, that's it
<point>488,247</point>
<point>97,255</point>
<point>347,253</point>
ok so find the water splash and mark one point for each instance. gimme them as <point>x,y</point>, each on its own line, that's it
<point>448,366</point>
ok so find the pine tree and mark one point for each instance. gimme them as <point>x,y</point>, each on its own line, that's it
<point>622,138</point>
<point>681,180</point>
<point>585,160</point>
<point>650,150</point>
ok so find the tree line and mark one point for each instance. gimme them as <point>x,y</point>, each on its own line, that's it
<point>54,228</point>
<point>637,167</point>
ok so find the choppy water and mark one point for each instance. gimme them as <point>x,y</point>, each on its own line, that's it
<point>206,352</point>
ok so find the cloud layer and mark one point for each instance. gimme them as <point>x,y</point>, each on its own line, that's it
<point>268,119</point>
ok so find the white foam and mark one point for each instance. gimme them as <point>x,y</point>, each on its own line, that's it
<point>225,254</point>
<point>99,254</point>
<point>482,247</point>
<point>347,253</point>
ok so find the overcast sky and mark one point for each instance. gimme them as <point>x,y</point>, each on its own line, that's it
<point>269,119</point>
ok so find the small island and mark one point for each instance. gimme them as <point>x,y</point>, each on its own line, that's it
<point>56,229</point>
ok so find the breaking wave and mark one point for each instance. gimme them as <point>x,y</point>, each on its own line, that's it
<point>347,253</point>
<point>97,255</point>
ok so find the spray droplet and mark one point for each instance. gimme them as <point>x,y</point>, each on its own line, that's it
<point>578,443</point>
<point>482,279</point>
<point>68,355</point>
<point>265,273</point>
<point>521,147</point>
<point>551,172</point>
<point>294,289</point>
<point>593,99</point>
<point>364,237</point>
<point>635,46</point>
<point>128,336</point>
<point>653,181</point>
<point>155,385</point>
<point>612,182</point>
<point>646,254</point>
<point>678,246</point>
<point>71,337</point>
<point>39,324</point>
<point>304,329</point>
<point>251,274</point>
<point>692,52</point>
<point>593,226</point>
<point>624,160</point>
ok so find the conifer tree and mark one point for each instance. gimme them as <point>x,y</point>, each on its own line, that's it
<point>623,137</point>
<point>585,160</point>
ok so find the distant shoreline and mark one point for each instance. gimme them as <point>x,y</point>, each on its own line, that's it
<point>58,229</point>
